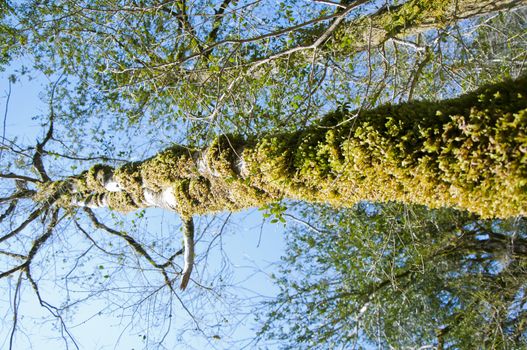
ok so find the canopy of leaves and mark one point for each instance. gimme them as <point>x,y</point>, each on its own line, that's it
<point>395,276</point>
<point>244,66</point>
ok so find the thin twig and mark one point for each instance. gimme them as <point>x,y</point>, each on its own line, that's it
<point>5,117</point>
<point>13,255</point>
<point>136,246</point>
<point>19,177</point>
<point>16,303</point>
<point>26,222</point>
<point>332,3</point>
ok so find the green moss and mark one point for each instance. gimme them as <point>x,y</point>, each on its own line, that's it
<point>51,191</point>
<point>472,155</point>
<point>167,167</point>
<point>129,177</point>
<point>93,180</point>
<point>469,152</point>
<point>393,21</point>
<point>121,202</point>
<point>223,154</point>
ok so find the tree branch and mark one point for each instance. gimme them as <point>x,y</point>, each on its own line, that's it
<point>13,255</point>
<point>137,247</point>
<point>37,244</point>
<point>5,117</point>
<point>217,22</point>
<point>39,151</point>
<point>20,177</point>
<point>184,22</point>
<point>16,303</point>
<point>52,309</point>
<point>9,210</point>
<point>18,195</point>
<point>24,224</point>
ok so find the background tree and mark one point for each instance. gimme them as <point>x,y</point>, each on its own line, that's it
<point>234,66</point>
<point>395,276</point>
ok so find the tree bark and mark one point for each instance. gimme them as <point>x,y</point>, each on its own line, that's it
<point>410,18</point>
<point>469,152</point>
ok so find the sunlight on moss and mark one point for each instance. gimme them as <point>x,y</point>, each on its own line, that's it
<point>468,152</point>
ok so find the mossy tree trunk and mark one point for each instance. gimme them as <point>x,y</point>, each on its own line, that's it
<point>469,152</point>
<point>410,18</point>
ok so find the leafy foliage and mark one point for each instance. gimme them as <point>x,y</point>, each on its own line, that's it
<point>244,67</point>
<point>398,276</point>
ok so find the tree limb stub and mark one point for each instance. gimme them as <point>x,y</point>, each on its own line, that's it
<point>188,237</point>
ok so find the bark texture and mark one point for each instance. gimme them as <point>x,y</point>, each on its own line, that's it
<point>469,152</point>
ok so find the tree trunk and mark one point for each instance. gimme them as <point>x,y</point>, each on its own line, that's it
<point>410,18</point>
<point>468,152</point>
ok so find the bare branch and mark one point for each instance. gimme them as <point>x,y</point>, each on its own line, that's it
<point>136,246</point>
<point>9,210</point>
<point>13,147</point>
<point>37,244</point>
<point>16,303</point>
<point>91,239</point>
<point>12,270</point>
<point>171,258</point>
<point>5,116</point>
<point>13,255</point>
<point>79,157</point>
<point>42,239</point>
<point>19,177</point>
<point>217,21</point>
<point>18,195</point>
<point>39,149</point>
<point>305,223</point>
<point>129,239</point>
<point>417,74</point>
<point>52,309</point>
<point>26,222</point>
<point>332,3</point>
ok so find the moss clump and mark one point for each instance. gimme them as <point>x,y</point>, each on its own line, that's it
<point>200,191</point>
<point>129,177</point>
<point>471,155</point>
<point>95,177</point>
<point>271,164</point>
<point>121,202</point>
<point>223,154</point>
<point>167,167</point>
<point>57,191</point>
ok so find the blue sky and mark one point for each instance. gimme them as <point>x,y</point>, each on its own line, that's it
<point>251,249</point>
